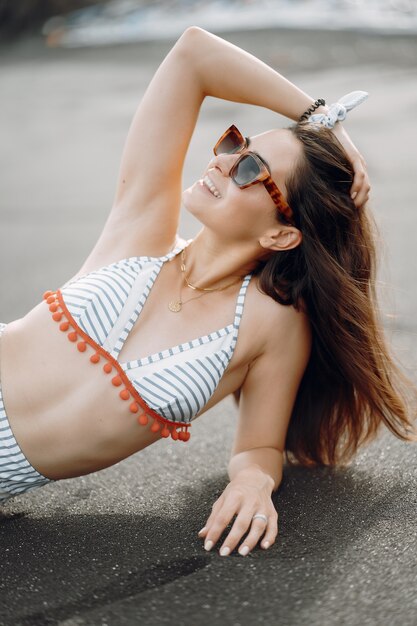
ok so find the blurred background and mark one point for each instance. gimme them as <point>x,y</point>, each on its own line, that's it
<point>71,76</point>
<point>84,22</point>
<point>74,71</point>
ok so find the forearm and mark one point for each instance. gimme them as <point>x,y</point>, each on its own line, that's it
<point>228,72</point>
<point>262,465</point>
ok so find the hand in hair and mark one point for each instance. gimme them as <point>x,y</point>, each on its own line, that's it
<point>360,187</point>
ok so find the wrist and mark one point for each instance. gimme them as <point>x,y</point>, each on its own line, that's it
<point>255,476</point>
<point>322,109</point>
<point>318,106</point>
<point>337,111</point>
<point>262,466</point>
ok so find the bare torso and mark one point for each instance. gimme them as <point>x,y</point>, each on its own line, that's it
<point>64,412</point>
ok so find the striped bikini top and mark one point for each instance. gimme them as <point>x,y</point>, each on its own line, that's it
<point>167,389</point>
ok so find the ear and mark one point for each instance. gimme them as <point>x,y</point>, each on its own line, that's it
<point>281,239</point>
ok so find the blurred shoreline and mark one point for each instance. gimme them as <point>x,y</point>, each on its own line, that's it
<point>124,21</point>
<point>73,24</point>
<point>282,48</point>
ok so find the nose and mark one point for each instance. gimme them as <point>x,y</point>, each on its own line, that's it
<point>223,162</point>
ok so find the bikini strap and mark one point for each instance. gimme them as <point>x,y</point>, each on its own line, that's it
<point>136,300</point>
<point>182,243</point>
<point>240,302</point>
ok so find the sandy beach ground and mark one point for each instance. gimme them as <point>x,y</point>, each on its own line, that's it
<point>121,547</point>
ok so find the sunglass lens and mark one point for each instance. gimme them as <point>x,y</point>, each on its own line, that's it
<point>246,170</point>
<point>231,143</point>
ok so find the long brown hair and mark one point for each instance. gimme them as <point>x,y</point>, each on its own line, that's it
<point>351,384</point>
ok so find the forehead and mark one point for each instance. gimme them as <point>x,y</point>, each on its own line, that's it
<point>279,148</point>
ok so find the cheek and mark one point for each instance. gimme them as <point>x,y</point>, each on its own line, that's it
<point>241,213</point>
<point>246,213</point>
<point>250,204</point>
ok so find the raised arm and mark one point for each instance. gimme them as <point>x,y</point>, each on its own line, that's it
<point>145,212</point>
<point>199,65</point>
<point>244,78</point>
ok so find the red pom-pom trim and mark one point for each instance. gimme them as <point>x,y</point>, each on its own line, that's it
<point>165,432</point>
<point>143,419</point>
<point>124,394</point>
<point>56,302</point>
<point>155,426</point>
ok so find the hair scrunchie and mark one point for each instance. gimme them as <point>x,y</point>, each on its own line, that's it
<point>338,110</point>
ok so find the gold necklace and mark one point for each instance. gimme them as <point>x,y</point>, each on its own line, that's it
<point>176,305</point>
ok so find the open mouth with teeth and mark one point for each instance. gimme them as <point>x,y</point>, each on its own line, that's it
<point>211,186</point>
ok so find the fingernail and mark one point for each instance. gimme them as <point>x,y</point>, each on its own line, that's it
<point>353,195</point>
<point>208,545</point>
<point>202,530</point>
<point>265,544</point>
<point>224,551</point>
<point>243,551</point>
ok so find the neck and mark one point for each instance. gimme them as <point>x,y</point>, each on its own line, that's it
<point>211,261</point>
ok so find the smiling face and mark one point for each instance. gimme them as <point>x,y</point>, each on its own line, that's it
<point>243,214</point>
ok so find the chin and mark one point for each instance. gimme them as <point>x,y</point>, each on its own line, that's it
<point>192,201</point>
<point>202,207</point>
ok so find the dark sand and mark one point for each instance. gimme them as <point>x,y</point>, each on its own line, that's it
<point>120,546</point>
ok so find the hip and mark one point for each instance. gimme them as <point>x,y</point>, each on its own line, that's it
<point>17,475</point>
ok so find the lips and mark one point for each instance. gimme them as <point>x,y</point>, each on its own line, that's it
<point>211,186</point>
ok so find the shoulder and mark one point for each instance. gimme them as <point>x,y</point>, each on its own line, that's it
<point>283,345</point>
<point>277,327</point>
<point>125,255</point>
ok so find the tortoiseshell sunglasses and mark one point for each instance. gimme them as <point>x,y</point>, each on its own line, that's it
<point>250,168</point>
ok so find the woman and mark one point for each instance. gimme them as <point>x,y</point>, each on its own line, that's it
<point>273,300</point>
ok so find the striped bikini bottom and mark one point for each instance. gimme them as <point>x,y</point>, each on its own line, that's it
<point>16,473</point>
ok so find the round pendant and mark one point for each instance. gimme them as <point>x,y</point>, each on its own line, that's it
<point>174,306</point>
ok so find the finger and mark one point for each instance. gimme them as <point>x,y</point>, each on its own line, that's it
<point>358,181</point>
<point>363,195</point>
<point>214,510</point>
<point>360,191</point>
<point>271,532</point>
<point>220,522</point>
<point>258,529</point>
<point>360,185</point>
<point>239,528</point>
